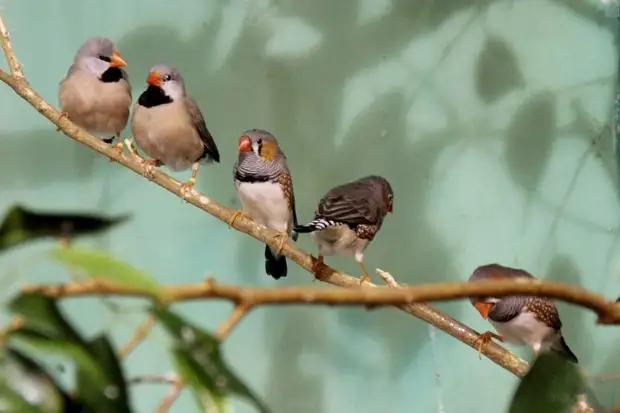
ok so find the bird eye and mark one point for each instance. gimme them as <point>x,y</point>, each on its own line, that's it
<point>260,141</point>
<point>166,78</point>
<point>104,58</point>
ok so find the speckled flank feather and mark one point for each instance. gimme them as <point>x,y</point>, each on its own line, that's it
<point>545,311</point>
<point>286,183</point>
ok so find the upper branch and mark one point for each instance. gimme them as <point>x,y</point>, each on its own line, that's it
<point>425,312</point>
<point>14,65</point>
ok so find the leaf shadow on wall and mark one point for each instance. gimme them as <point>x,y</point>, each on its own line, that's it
<point>300,101</point>
<point>308,111</point>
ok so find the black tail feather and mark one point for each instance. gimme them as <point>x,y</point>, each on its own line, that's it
<point>316,225</point>
<point>275,265</point>
<point>562,348</point>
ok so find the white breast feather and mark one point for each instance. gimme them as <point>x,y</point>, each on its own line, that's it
<point>525,329</point>
<point>265,203</point>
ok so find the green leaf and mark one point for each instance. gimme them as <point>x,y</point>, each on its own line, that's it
<point>46,328</point>
<point>550,386</point>
<point>198,357</point>
<point>22,378</point>
<point>42,315</point>
<point>99,265</point>
<point>112,396</point>
<point>196,377</point>
<point>22,225</point>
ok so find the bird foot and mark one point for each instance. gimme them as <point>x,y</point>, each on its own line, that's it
<point>118,148</point>
<point>483,339</point>
<point>187,187</point>
<point>317,267</point>
<point>235,215</point>
<point>63,114</point>
<point>364,277</point>
<point>149,168</point>
<point>283,237</point>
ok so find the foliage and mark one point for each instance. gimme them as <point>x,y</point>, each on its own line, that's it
<point>550,386</point>
<point>21,225</point>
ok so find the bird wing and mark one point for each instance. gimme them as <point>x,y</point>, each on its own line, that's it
<point>349,204</point>
<point>201,127</point>
<point>286,183</point>
<point>545,311</point>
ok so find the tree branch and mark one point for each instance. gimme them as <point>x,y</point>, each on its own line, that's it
<point>427,313</point>
<point>14,65</point>
<point>372,295</point>
<point>142,331</point>
<point>608,311</point>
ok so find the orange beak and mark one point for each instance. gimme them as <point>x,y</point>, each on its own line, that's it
<point>245,145</point>
<point>116,60</point>
<point>483,308</point>
<point>154,79</point>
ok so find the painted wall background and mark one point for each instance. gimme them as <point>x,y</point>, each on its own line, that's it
<point>490,118</point>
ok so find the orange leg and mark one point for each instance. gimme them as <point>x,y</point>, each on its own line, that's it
<point>63,114</point>
<point>365,276</point>
<point>283,237</point>
<point>317,265</point>
<point>484,338</point>
<point>149,167</point>
<point>118,147</point>
<point>186,187</point>
<point>235,215</point>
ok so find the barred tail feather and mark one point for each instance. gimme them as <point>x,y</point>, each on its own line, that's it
<point>275,265</point>
<point>316,225</point>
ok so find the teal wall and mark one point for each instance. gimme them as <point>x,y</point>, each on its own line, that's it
<point>491,119</point>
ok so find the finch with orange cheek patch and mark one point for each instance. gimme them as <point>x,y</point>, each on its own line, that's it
<point>96,94</point>
<point>168,126</point>
<point>348,218</point>
<point>534,321</point>
<point>265,189</point>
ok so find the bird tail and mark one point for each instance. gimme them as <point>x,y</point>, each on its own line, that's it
<point>275,265</point>
<point>316,225</point>
<point>561,348</point>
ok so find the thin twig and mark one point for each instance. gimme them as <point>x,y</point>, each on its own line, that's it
<point>602,378</point>
<point>14,65</point>
<point>232,320</point>
<point>173,394</point>
<point>168,378</point>
<point>142,331</point>
<point>608,311</point>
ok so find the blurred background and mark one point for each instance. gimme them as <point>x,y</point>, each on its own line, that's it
<point>494,121</point>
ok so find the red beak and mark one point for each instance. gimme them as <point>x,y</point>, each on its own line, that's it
<point>245,145</point>
<point>483,308</point>
<point>116,60</point>
<point>154,79</point>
